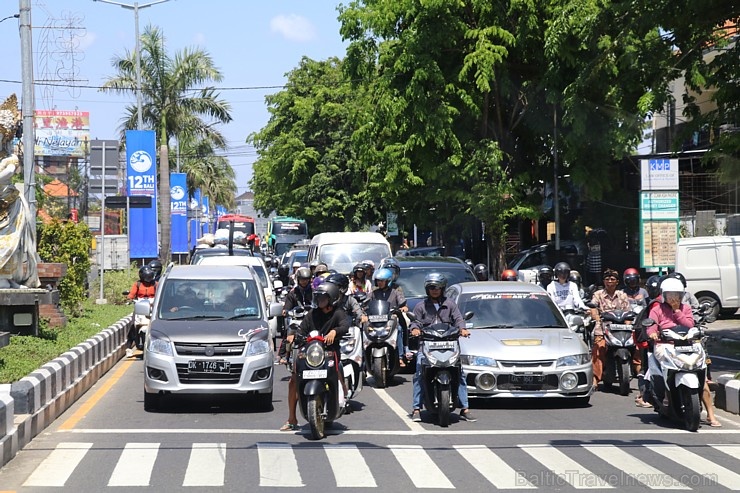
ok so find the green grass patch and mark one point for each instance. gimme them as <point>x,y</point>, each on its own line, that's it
<point>25,354</point>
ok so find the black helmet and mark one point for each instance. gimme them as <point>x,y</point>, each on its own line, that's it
<point>469,262</point>
<point>146,274</point>
<point>652,285</point>
<point>545,271</point>
<point>359,267</point>
<point>562,268</point>
<point>393,265</point>
<point>481,272</point>
<point>156,266</point>
<point>320,269</point>
<point>434,280</point>
<point>575,277</point>
<point>329,290</point>
<point>679,276</point>
<point>314,263</point>
<point>340,280</point>
<point>303,273</point>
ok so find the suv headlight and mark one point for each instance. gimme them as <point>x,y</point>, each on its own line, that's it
<point>258,347</point>
<point>472,360</point>
<point>159,344</point>
<point>573,360</point>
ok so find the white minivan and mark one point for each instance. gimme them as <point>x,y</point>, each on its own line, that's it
<point>711,266</point>
<point>341,251</point>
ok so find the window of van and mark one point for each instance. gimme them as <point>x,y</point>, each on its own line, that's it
<point>343,257</point>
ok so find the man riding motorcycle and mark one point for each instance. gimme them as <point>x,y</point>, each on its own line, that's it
<point>481,272</point>
<point>143,289</point>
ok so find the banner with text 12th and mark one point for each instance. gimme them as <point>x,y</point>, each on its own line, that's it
<point>179,210</point>
<point>141,179</point>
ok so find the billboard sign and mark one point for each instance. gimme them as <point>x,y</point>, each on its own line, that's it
<point>659,174</point>
<point>141,179</point>
<point>61,133</point>
<point>659,205</point>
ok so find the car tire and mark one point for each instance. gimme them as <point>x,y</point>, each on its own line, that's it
<point>264,401</point>
<point>152,401</point>
<point>582,401</point>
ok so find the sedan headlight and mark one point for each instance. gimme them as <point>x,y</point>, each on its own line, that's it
<point>573,360</point>
<point>315,354</point>
<point>159,344</point>
<point>258,347</point>
<point>472,360</point>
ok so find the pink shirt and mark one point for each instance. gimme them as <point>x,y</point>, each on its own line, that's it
<point>666,318</point>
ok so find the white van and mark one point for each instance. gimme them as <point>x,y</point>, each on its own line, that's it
<point>711,265</point>
<point>341,251</point>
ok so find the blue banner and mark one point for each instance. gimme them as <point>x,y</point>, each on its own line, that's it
<point>141,179</point>
<point>220,211</point>
<point>206,212</point>
<point>194,216</point>
<point>179,211</point>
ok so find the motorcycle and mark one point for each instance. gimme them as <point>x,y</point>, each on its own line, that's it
<point>578,321</point>
<point>352,361</point>
<point>380,341</point>
<point>293,323</point>
<point>440,369</point>
<point>320,393</point>
<point>676,371</point>
<point>141,322</point>
<point>620,342</point>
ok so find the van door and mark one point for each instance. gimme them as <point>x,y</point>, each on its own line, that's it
<point>701,269</point>
<point>729,257</point>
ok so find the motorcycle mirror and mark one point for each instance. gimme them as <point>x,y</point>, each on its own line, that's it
<point>468,315</point>
<point>125,293</point>
<point>411,316</point>
<point>647,322</point>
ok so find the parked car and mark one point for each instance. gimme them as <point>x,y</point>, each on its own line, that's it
<point>529,261</point>
<point>208,335</point>
<point>415,269</point>
<point>520,344</point>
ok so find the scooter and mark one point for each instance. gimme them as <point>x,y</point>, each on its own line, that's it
<point>440,369</point>
<point>676,372</point>
<point>293,322</point>
<point>380,341</point>
<point>352,360</point>
<point>620,342</point>
<point>577,321</point>
<point>320,393</point>
<point>141,322</point>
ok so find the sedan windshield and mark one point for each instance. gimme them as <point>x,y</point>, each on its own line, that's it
<point>412,280</point>
<point>212,298</point>
<point>505,310</point>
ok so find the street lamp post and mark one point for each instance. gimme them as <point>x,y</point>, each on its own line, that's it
<point>135,7</point>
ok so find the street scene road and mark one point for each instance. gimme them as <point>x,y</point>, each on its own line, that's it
<point>106,441</point>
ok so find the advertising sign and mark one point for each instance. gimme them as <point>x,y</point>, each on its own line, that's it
<point>392,221</point>
<point>179,211</point>
<point>658,205</point>
<point>61,133</point>
<point>141,179</point>
<point>658,240</point>
<point>659,174</point>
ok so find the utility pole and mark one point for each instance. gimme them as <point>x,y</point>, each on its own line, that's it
<point>555,190</point>
<point>27,108</point>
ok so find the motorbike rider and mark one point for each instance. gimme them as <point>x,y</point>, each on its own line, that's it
<point>669,313</point>
<point>369,270</point>
<point>564,292</point>
<point>359,282</point>
<point>331,321</point>
<point>632,288</point>
<point>652,288</point>
<point>509,275</point>
<point>156,266</point>
<point>319,274</point>
<point>437,308</point>
<point>384,291</point>
<point>481,272</point>
<point>350,305</point>
<point>606,299</point>
<point>688,297</point>
<point>544,276</point>
<point>300,295</point>
<point>144,288</point>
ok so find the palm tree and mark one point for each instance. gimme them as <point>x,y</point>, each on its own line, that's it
<point>209,172</point>
<point>174,104</point>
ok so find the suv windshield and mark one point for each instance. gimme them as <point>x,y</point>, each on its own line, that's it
<point>503,310</point>
<point>412,280</point>
<point>211,298</point>
<point>343,257</point>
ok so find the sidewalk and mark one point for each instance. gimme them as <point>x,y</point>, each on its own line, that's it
<point>727,391</point>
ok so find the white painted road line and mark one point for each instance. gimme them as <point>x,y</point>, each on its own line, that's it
<point>706,469</point>
<point>134,467</point>
<point>635,468</point>
<point>350,469</point>
<point>56,469</point>
<point>278,465</point>
<point>565,468</point>
<point>419,467</point>
<point>206,465</point>
<point>732,450</point>
<point>491,467</point>
<point>399,410</point>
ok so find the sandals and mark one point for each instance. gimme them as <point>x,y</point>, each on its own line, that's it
<point>401,363</point>
<point>290,427</point>
<point>714,424</point>
<point>641,403</point>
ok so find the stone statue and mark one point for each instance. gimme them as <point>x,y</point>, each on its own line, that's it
<point>18,256</point>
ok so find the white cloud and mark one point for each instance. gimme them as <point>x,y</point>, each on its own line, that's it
<point>293,27</point>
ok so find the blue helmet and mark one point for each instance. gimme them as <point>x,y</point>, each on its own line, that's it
<point>383,274</point>
<point>393,265</point>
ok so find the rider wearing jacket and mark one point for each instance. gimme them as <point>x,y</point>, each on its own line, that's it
<point>350,305</point>
<point>144,288</point>
<point>385,292</point>
<point>436,308</point>
<point>564,292</point>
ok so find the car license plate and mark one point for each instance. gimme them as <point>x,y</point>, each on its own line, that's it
<point>209,366</point>
<point>310,374</point>
<point>526,379</point>
<point>377,318</point>
<point>439,345</point>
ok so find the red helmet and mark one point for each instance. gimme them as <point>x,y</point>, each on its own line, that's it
<point>631,277</point>
<point>509,275</point>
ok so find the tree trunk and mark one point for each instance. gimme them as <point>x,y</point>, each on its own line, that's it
<point>164,204</point>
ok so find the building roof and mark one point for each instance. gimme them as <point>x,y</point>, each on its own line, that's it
<point>58,189</point>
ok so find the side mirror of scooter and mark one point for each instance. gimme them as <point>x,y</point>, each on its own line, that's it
<point>468,315</point>
<point>125,293</point>
<point>647,322</point>
<point>410,316</point>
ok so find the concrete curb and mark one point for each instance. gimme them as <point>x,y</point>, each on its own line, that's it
<point>29,405</point>
<point>727,394</point>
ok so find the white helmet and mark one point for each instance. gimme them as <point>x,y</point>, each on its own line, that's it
<point>671,285</point>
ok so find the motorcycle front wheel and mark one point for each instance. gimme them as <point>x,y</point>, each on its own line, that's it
<point>443,407</point>
<point>380,373</point>
<point>624,377</point>
<point>691,409</point>
<point>314,410</point>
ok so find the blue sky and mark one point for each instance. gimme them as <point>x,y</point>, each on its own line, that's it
<point>253,42</point>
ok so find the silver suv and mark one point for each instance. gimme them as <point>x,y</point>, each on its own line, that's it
<point>209,335</point>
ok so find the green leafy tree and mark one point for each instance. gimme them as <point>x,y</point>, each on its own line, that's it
<point>177,102</point>
<point>208,172</point>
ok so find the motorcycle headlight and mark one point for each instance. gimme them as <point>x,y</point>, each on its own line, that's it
<point>315,354</point>
<point>347,345</point>
<point>258,347</point>
<point>159,344</point>
<point>573,360</point>
<point>472,360</point>
<point>378,332</point>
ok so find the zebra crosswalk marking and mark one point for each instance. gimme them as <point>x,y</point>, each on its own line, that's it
<point>565,468</point>
<point>134,467</point>
<point>206,465</point>
<point>419,467</point>
<point>350,469</point>
<point>493,468</point>
<point>714,473</point>
<point>278,465</point>
<point>732,450</point>
<point>635,468</point>
<point>59,465</point>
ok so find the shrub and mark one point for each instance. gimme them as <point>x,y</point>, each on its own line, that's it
<point>115,282</point>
